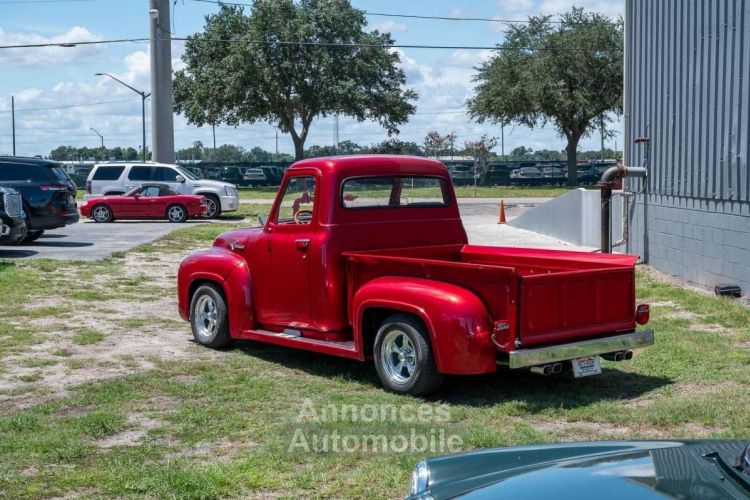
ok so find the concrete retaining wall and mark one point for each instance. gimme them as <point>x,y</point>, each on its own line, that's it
<point>574,217</point>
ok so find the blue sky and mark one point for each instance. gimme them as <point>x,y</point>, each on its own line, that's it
<point>41,78</point>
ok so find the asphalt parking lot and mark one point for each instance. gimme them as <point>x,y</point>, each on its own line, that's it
<point>88,240</point>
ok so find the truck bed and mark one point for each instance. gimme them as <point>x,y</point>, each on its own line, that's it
<point>547,296</point>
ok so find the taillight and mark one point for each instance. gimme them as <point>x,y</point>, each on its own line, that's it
<point>642,313</point>
<point>53,188</point>
<point>501,334</point>
<point>88,187</point>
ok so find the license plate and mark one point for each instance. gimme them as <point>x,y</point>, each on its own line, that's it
<point>584,367</point>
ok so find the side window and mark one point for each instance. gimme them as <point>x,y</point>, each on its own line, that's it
<point>297,204</point>
<point>140,174</point>
<point>165,174</point>
<point>150,191</point>
<point>166,191</point>
<point>107,173</point>
<point>18,172</point>
<point>394,192</point>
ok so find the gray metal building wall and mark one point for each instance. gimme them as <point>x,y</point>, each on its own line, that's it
<point>687,87</point>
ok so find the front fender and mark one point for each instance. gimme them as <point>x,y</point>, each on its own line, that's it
<point>457,321</point>
<point>230,272</point>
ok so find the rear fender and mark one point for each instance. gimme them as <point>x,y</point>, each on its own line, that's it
<point>225,269</point>
<point>456,319</point>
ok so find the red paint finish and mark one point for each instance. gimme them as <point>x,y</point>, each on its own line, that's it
<point>319,279</point>
<point>144,207</point>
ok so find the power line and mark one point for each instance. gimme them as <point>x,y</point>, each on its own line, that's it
<point>67,106</point>
<point>449,18</point>
<point>72,44</point>
<point>408,16</point>
<point>41,1</point>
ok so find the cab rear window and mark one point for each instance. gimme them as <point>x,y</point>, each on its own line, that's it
<point>394,192</point>
<point>108,173</point>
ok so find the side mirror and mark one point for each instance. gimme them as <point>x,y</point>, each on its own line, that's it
<point>262,219</point>
<point>180,179</point>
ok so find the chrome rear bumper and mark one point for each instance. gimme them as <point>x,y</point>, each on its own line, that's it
<point>564,352</point>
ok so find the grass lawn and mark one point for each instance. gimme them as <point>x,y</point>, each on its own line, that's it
<point>102,392</point>
<point>461,192</point>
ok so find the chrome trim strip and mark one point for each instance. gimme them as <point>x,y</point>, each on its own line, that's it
<point>543,355</point>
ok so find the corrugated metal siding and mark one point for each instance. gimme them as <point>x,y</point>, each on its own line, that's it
<point>688,74</point>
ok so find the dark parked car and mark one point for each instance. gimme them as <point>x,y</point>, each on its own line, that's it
<point>612,470</point>
<point>12,219</point>
<point>47,191</point>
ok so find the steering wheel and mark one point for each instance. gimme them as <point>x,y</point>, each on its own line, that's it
<point>300,212</point>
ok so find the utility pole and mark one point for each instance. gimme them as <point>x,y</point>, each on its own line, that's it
<point>336,133</point>
<point>13,120</point>
<point>162,129</point>
<point>502,140</point>
<point>213,131</point>
<point>143,95</point>
<point>601,132</point>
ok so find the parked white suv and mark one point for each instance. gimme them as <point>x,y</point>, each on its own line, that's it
<point>113,178</point>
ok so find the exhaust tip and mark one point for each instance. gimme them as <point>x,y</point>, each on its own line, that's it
<point>619,356</point>
<point>557,368</point>
<point>542,370</point>
<point>628,354</point>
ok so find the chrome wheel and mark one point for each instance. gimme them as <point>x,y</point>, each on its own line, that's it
<point>210,208</point>
<point>176,214</point>
<point>101,214</point>
<point>206,317</point>
<point>399,357</point>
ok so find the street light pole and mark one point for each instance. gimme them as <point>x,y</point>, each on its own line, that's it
<point>100,137</point>
<point>144,96</point>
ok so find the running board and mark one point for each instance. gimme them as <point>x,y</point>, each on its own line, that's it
<point>291,338</point>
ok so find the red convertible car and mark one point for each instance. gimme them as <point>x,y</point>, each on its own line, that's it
<point>147,201</point>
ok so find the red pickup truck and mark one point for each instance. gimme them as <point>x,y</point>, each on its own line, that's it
<point>366,257</point>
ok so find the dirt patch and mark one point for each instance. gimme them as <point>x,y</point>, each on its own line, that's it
<point>220,451</point>
<point>679,314</point>
<point>186,379</point>
<point>139,332</point>
<point>140,424</point>
<point>587,431</point>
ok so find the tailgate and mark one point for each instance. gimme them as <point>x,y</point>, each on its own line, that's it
<point>570,305</point>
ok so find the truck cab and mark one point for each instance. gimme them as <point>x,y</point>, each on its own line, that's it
<point>366,257</point>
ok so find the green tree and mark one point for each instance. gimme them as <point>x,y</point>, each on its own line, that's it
<point>397,147</point>
<point>289,62</point>
<point>481,149</point>
<point>522,153</point>
<point>437,145</point>
<point>568,74</point>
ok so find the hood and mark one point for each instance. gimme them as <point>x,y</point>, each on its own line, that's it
<point>211,183</point>
<point>246,237</point>
<point>633,470</point>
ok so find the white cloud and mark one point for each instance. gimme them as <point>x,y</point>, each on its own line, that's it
<point>459,12</point>
<point>390,27</point>
<point>48,55</point>
<point>609,8</point>
<point>521,6</point>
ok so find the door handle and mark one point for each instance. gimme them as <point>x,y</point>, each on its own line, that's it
<point>302,244</point>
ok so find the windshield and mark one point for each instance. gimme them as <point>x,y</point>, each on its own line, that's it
<point>187,173</point>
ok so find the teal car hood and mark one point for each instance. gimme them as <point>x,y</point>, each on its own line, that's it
<point>602,470</point>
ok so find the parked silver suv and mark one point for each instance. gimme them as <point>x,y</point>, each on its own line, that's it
<point>113,178</point>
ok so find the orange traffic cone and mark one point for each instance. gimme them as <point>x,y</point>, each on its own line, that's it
<point>501,220</point>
